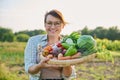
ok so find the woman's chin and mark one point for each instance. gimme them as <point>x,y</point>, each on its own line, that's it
<point>53,34</point>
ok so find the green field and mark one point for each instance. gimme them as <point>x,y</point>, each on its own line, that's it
<point>12,65</point>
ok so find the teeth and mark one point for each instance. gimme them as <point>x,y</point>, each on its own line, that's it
<point>53,30</point>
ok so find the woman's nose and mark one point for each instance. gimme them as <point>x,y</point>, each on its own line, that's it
<point>53,26</point>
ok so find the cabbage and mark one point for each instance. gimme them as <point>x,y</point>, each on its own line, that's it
<point>85,43</point>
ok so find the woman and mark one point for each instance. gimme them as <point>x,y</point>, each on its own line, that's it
<point>54,23</point>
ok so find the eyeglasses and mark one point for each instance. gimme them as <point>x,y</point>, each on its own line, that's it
<point>57,24</point>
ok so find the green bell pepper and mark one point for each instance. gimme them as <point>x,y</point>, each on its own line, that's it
<point>71,51</point>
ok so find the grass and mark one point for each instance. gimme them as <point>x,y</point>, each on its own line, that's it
<point>12,65</point>
<point>100,70</point>
<point>12,61</point>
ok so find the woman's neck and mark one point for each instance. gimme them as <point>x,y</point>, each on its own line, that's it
<point>53,39</point>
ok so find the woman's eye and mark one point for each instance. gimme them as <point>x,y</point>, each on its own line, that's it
<point>57,23</point>
<point>53,23</point>
<point>49,23</point>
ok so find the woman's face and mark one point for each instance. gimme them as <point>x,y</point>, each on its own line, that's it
<point>53,25</point>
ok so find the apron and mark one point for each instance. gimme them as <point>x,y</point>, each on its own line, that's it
<point>48,73</point>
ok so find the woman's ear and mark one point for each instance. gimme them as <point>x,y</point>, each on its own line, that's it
<point>62,26</point>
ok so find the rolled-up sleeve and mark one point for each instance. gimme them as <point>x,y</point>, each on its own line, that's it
<point>30,54</point>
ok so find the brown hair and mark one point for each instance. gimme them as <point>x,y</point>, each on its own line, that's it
<point>56,14</point>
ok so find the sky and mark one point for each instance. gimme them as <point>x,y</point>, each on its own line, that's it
<point>21,15</point>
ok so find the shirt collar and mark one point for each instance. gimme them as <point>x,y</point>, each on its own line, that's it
<point>45,37</point>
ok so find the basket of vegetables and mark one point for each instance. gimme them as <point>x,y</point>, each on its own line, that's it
<point>73,49</point>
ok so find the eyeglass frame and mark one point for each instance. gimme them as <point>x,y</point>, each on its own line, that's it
<point>50,23</point>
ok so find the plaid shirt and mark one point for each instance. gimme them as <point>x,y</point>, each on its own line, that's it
<point>30,56</point>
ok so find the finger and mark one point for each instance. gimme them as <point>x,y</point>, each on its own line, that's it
<point>46,60</point>
<point>54,65</point>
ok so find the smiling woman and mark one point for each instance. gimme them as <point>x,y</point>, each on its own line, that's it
<point>56,18</point>
<point>54,23</point>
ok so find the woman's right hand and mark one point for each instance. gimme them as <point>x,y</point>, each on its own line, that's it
<point>44,63</point>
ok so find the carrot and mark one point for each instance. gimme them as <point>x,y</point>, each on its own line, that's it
<point>61,57</point>
<point>77,55</point>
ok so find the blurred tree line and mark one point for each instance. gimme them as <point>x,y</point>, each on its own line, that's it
<point>112,33</point>
<point>21,36</point>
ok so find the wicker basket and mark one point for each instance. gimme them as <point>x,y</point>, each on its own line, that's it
<point>71,61</point>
